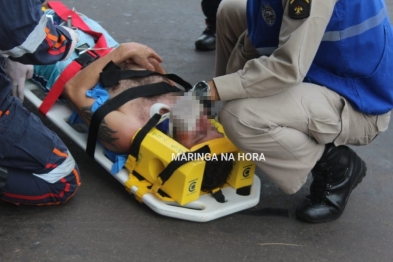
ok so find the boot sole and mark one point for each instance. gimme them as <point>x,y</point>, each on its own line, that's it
<point>202,47</point>
<point>363,171</point>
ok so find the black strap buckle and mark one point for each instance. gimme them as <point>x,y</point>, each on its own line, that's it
<point>87,58</point>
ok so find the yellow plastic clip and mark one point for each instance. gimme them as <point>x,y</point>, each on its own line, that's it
<point>143,187</point>
<point>132,181</point>
<point>130,163</point>
<point>216,190</point>
<point>157,185</point>
<point>140,193</point>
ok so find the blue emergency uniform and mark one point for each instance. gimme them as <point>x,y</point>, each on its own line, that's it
<point>362,36</point>
<point>36,167</point>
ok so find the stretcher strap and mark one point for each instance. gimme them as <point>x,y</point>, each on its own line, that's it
<point>74,67</point>
<point>175,164</point>
<point>58,87</point>
<point>116,102</point>
<point>112,74</point>
<point>218,195</point>
<point>136,143</point>
<point>172,166</point>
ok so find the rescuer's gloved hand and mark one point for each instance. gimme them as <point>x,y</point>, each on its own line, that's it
<point>18,73</point>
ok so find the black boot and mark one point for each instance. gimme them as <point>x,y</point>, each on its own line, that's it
<point>336,174</point>
<point>206,41</point>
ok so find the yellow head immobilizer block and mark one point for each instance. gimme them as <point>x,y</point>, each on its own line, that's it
<point>158,150</point>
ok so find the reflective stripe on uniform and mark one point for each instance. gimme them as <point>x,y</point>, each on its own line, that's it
<point>60,171</point>
<point>32,42</point>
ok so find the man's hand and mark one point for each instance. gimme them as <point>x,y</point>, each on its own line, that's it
<point>18,74</point>
<point>157,66</point>
<point>141,55</point>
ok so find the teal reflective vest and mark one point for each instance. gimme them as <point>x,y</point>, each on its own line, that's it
<point>355,57</point>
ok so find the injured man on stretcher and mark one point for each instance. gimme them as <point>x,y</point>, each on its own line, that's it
<point>86,92</point>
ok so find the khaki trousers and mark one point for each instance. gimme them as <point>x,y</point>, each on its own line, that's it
<point>290,128</point>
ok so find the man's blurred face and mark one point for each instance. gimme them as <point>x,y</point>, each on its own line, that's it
<point>203,132</point>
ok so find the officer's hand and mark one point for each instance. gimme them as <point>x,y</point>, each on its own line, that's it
<point>18,74</point>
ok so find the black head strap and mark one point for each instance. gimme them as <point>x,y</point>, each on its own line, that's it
<point>112,74</point>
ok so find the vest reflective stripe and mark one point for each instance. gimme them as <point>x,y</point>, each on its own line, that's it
<point>267,51</point>
<point>363,35</point>
<point>356,29</point>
